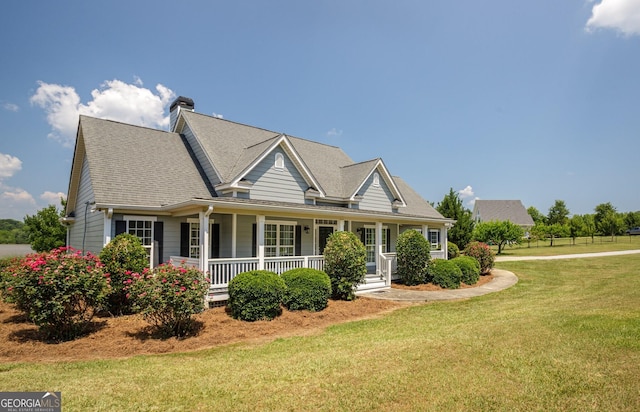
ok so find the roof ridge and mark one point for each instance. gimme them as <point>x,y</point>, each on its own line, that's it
<point>362,162</point>
<point>124,124</point>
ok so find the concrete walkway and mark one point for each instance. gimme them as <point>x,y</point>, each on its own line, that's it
<point>502,279</point>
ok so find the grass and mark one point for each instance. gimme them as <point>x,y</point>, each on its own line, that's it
<point>566,337</point>
<point>564,246</point>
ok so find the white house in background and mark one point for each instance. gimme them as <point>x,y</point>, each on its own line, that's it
<point>499,210</point>
<point>229,197</point>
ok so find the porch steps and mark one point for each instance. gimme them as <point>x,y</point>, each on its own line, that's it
<point>372,282</point>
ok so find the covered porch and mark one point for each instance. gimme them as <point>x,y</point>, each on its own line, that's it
<point>226,244</point>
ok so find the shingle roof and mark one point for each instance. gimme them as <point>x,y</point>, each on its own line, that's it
<point>511,210</point>
<point>132,165</point>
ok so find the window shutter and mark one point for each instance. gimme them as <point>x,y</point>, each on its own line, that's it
<point>298,241</point>
<point>215,241</point>
<point>184,239</point>
<point>388,240</point>
<point>254,240</point>
<point>121,227</point>
<point>158,236</point>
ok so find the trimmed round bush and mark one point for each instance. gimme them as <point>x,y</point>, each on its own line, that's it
<point>453,251</point>
<point>345,261</point>
<point>470,269</point>
<point>412,251</point>
<point>122,257</point>
<point>445,273</point>
<point>307,289</point>
<point>256,295</point>
<point>483,254</point>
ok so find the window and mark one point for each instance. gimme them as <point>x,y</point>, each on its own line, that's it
<point>376,179</point>
<point>434,239</point>
<point>142,228</point>
<point>370,242</point>
<point>279,163</point>
<point>279,239</point>
<point>194,240</point>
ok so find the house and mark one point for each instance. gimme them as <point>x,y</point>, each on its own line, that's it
<point>229,197</point>
<point>499,210</point>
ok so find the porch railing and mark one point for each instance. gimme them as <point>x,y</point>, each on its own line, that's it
<point>388,266</point>
<point>221,271</point>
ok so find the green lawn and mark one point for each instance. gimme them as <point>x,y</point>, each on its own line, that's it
<point>566,337</point>
<point>564,246</point>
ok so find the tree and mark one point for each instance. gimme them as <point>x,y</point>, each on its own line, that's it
<point>608,221</point>
<point>536,215</point>
<point>576,227</point>
<point>558,213</point>
<point>451,207</point>
<point>589,226</point>
<point>550,232</point>
<point>632,219</point>
<point>45,230</point>
<point>498,233</point>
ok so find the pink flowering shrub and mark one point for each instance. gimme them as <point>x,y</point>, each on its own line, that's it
<point>60,291</point>
<point>483,254</point>
<point>168,297</point>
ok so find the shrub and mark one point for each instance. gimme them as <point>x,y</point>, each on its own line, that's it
<point>483,254</point>
<point>307,289</point>
<point>345,261</point>
<point>123,256</point>
<point>256,295</point>
<point>445,273</point>
<point>168,297</point>
<point>412,251</point>
<point>453,251</point>
<point>6,276</point>
<point>60,291</point>
<point>470,269</point>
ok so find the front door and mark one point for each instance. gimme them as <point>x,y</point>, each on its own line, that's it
<point>323,234</point>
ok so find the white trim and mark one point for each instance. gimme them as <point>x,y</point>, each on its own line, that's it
<point>139,217</point>
<point>278,163</point>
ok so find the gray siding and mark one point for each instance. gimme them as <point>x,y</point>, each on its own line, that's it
<point>200,155</point>
<point>93,221</point>
<point>269,183</point>
<point>375,198</point>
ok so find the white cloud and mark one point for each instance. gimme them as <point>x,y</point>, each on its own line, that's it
<point>11,107</point>
<point>620,15</point>
<point>466,192</point>
<point>16,195</point>
<point>334,133</point>
<point>53,198</point>
<point>115,100</point>
<point>467,195</point>
<point>9,165</point>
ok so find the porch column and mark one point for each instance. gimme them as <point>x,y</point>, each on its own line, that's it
<point>425,232</point>
<point>204,238</point>
<point>378,247</point>
<point>260,219</point>
<point>340,225</point>
<point>443,241</point>
<point>234,234</point>
<point>108,214</point>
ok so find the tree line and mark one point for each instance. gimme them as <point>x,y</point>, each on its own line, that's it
<point>558,222</point>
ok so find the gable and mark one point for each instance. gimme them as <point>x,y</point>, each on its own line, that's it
<point>376,194</point>
<point>282,182</point>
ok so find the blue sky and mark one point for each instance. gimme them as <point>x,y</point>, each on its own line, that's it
<point>535,101</point>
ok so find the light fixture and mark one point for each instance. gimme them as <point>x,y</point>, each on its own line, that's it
<point>306,229</point>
